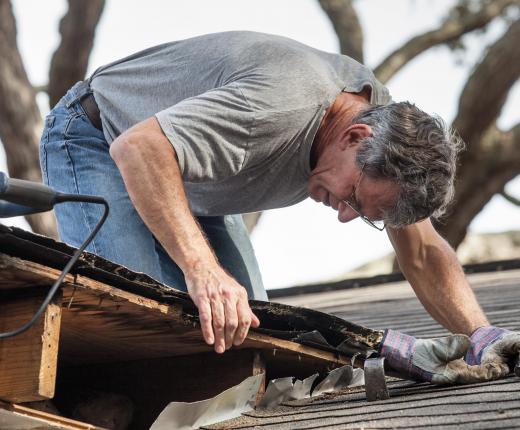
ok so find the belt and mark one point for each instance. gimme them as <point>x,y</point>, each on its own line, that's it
<point>89,105</point>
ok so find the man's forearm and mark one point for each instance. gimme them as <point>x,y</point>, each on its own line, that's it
<point>152,178</point>
<point>432,268</point>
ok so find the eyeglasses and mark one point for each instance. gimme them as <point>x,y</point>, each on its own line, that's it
<point>378,225</point>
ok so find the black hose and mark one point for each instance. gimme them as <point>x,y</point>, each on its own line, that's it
<point>61,198</point>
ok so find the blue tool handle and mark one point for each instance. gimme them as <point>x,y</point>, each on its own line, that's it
<point>33,195</point>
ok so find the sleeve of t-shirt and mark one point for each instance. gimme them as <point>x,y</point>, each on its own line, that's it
<point>209,132</point>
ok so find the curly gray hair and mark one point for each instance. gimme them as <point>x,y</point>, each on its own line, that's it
<point>417,151</point>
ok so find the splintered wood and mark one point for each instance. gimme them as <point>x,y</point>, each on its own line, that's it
<point>102,324</point>
<point>28,361</point>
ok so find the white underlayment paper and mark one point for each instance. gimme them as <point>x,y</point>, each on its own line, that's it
<point>224,406</point>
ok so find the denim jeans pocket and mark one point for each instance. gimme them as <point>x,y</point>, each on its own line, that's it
<point>78,126</point>
<point>49,124</point>
<point>75,124</point>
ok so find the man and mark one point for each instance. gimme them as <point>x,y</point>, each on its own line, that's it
<point>184,137</point>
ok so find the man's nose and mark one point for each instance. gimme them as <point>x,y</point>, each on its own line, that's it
<point>346,213</point>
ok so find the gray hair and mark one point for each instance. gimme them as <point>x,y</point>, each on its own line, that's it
<point>417,151</point>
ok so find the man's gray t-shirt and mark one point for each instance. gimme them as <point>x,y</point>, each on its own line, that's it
<point>241,110</point>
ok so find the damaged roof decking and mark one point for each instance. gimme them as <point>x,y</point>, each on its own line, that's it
<point>478,406</point>
<point>141,318</point>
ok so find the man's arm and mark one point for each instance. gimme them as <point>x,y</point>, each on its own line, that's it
<point>149,167</point>
<point>432,268</point>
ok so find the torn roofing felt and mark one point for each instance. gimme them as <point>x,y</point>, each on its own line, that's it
<point>301,325</point>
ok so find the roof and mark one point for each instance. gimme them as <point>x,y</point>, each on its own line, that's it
<point>411,405</point>
<point>376,305</point>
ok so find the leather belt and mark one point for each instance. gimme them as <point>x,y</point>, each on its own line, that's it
<point>89,105</point>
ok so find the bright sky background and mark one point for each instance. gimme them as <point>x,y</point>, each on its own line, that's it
<point>304,243</point>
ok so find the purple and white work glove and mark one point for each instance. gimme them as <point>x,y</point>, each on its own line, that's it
<point>436,360</point>
<point>439,360</point>
<point>494,346</point>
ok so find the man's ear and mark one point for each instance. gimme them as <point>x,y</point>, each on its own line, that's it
<point>355,134</point>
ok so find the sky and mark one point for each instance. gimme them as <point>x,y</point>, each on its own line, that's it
<point>304,243</point>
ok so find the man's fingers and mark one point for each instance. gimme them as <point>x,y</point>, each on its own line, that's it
<point>457,371</point>
<point>232,318</point>
<point>219,322</point>
<point>255,322</point>
<point>206,322</point>
<point>224,312</point>
<point>244,321</point>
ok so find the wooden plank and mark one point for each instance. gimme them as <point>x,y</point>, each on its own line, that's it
<point>259,368</point>
<point>18,417</point>
<point>123,324</point>
<point>153,384</point>
<point>259,340</point>
<point>13,274</point>
<point>28,361</point>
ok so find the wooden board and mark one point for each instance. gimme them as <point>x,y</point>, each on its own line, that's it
<point>116,341</point>
<point>101,323</point>
<point>28,361</point>
<point>18,417</point>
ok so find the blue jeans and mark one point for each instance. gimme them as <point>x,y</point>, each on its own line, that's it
<point>75,159</point>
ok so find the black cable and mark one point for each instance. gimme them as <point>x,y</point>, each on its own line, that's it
<point>61,198</point>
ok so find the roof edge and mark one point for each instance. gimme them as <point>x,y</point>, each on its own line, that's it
<point>346,284</point>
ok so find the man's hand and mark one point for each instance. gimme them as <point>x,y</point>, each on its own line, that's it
<point>437,360</point>
<point>494,346</point>
<point>149,167</point>
<point>224,312</point>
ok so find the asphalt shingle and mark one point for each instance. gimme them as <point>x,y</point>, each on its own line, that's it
<point>489,405</point>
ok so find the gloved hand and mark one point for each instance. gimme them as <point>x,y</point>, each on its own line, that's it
<point>437,360</point>
<point>494,345</point>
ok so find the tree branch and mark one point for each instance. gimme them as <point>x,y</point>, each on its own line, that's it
<point>451,29</point>
<point>492,157</point>
<point>510,198</point>
<point>495,161</point>
<point>69,62</point>
<point>346,24</point>
<point>487,88</point>
<point>20,124</point>
<point>251,220</point>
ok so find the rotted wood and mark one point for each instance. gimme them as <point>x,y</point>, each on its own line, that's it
<point>28,361</point>
<point>277,320</point>
<point>101,323</point>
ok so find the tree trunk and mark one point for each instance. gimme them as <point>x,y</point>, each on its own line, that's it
<point>492,157</point>
<point>20,120</point>
<point>347,26</point>
<point>69,62</point>
<point>493,164</point>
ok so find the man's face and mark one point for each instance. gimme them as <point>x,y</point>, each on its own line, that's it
<point>337,177</point>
